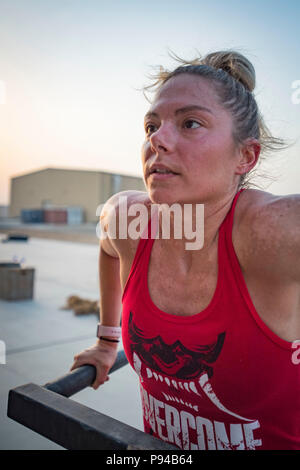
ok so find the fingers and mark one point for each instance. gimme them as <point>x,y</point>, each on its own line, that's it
<point>101,377</point>
<point>78,361</point>
<point>101,371</point>
<point>101,358</point>
<point>82,359</point>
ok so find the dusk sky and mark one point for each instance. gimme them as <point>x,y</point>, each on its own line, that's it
<point>71,73</point>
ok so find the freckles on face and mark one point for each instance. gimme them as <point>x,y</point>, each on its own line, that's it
<point>190,132</point>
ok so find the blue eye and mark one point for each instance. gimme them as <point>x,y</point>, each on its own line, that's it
<point>191,124</point>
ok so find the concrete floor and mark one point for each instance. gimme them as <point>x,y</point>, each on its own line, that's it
<point>41,339</point>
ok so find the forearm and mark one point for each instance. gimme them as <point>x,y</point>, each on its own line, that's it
<point>103,354</point>
<point>110,289</point>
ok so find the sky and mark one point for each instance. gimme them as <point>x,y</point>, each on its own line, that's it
<point>71,73</point>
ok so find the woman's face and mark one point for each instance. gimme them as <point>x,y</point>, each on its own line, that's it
<point>189,154</point>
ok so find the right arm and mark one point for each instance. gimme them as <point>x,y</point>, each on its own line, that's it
<point>112,249</point>
<point>103,353</point>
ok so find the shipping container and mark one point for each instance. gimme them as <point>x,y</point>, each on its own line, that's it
<point>74,215</point>
<point>32,216</point>
<point>55,216</point>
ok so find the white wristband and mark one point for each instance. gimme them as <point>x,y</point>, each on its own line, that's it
<point>114,331</point>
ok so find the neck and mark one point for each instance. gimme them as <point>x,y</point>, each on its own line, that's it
<point>188,228</point>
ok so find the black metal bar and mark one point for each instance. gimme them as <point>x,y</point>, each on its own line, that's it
<point>47,411</point>
<point>75,426</point>
<point>80,378</point>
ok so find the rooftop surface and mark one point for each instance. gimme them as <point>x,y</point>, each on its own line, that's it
<point>41,339</point>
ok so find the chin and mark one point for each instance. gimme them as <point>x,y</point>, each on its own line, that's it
<point>159,196</point>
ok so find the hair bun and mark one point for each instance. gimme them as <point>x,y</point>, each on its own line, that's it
<point>234,63</point>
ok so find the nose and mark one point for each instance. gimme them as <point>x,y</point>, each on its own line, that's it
<point>163,139</point>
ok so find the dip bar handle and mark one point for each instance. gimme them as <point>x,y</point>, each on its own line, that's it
<point>80,378</point>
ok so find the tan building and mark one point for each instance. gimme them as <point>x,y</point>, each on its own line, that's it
<point>68,187</point>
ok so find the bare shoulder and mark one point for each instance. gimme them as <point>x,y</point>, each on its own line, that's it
<point>115,218</point>
<point>267,231</point>
<point>268,215</point>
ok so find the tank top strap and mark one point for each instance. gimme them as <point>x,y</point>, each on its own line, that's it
<point>226,248</point>
<point>143,251</point>
<point>228,221</point>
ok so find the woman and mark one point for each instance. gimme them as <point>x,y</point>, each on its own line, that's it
<point>212,331</point>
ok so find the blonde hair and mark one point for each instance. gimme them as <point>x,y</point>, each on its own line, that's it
<point>234,78</point>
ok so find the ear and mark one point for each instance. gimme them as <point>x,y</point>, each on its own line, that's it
<point>249,153</point>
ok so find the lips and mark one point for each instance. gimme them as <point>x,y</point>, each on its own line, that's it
<point>161,170</point>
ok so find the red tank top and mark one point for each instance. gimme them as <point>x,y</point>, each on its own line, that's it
<point>219,379</point>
